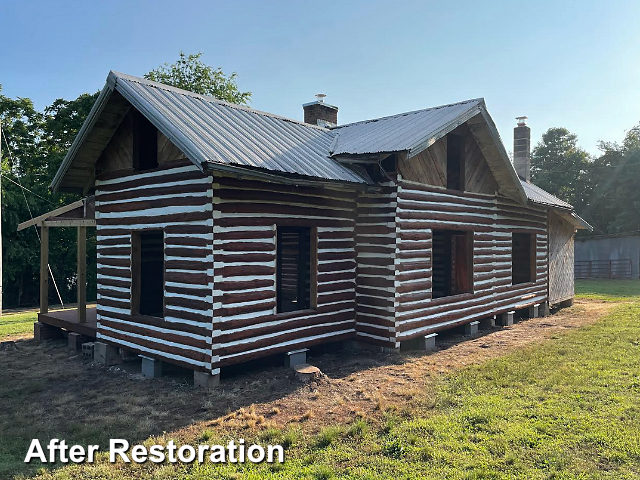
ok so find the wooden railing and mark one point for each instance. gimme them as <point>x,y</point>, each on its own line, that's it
<point>603,268</point>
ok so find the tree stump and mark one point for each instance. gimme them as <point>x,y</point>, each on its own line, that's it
<point>306,373</point>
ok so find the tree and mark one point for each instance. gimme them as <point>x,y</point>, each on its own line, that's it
<point>190,73</point>
<point>616,198</point>
<point>562,168</point>
<point>37,143</point>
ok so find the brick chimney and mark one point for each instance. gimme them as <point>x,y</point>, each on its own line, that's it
<point>521,149</point>
<point>320,113</point>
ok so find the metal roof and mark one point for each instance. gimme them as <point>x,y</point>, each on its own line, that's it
<point>219,135</point>
<point>542,197</point>
<point>411,131</point>
<point>210,130</point>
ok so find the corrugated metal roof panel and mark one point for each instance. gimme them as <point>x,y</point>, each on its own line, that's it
<point>209,130</point>
<point>540,196</point>
<point>403,132</point>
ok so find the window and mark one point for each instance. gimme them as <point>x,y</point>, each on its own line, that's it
<point>452,263</point>
<point>147,272</point>
<point>145,143</point>
<point>296,271</point>
<point>523,258</point>
<point>455,162</point>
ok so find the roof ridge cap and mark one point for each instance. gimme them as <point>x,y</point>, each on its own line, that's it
<point>479,100</point>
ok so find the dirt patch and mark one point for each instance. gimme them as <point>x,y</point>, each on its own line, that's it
<point>63,391</point>
<point>363,384</point>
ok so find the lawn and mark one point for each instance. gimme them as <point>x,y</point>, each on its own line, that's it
<point>565,407</point>
<point>608,290</point>
<point>17,324</point>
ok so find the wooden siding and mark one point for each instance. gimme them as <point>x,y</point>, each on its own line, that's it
<point>246,216</point>
<point>177,199</point>
<point>376,246</point>
<point>117,156</point>
<point>422,208</point>
<point>430,166</point>
<point>561,259</point>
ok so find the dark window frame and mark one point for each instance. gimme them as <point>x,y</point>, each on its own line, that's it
<point>452,241</point>
<point>310,277</point>
<point>145,143</point>
<point>523,243</point>
<point>456,162</point>
<point>139,306</point>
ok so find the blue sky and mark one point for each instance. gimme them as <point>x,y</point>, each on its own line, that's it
<point>561,63</point>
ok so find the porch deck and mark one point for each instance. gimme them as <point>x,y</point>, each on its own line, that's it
<point>68,319</point>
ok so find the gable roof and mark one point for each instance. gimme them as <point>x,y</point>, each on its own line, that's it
<point>219,135</point>
<point>408,131</point>
<point>414,132</point>
<point>206,130</point>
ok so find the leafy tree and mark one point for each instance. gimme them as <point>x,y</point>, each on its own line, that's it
<point>191,73</point>
<point>616,198</point>
<point>37,143</point>
<point>562,168</point>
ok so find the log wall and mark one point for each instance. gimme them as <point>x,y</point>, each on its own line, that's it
<point>176,198</point>
<point>246,216</point>
<point>376,251</point>
<point>420,210</point>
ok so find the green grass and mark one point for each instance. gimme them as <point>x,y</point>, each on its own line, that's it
<point>17,324</point>
<point>608,290</point>
<point>565,409</point>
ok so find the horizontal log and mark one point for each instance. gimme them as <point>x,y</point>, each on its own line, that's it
<point>141,205</point>
<point>187,303</point>
<point>153,334</point>
<point>304,343</point>
<point>146,181</point>
<point>113,262</point>
<point>228,222</point>
<point>188,252</point>
<point>297,196</point>
<point>114,272</point>
<point>327,298</point>
<point>249,296</point>
<point>185,351</point>
<point>155,219</point>
<point>104,291</point>
<point>243,285</point>
<point>285,325</point>
<point>195,278</point>
<point>335,276</point>
<point>154,191</point>
<point>253,308</point>
<point>245,271</point>
<point>413,286</point>
<point>225,183</point>
<point>285,337</point>
<point>156,322</point>
<point>188,265</point>
<point>194,292</point>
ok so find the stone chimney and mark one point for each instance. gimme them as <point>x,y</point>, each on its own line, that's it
<point>522,149</point>
<point>320,113</point>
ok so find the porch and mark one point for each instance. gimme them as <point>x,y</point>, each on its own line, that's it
<point>69,320</point>
<point>82,320</point>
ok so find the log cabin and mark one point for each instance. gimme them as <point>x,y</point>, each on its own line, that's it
<point>226,234</point>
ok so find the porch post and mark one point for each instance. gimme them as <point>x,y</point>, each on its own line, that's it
<point>44,269</point>
<point>82,274</point>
